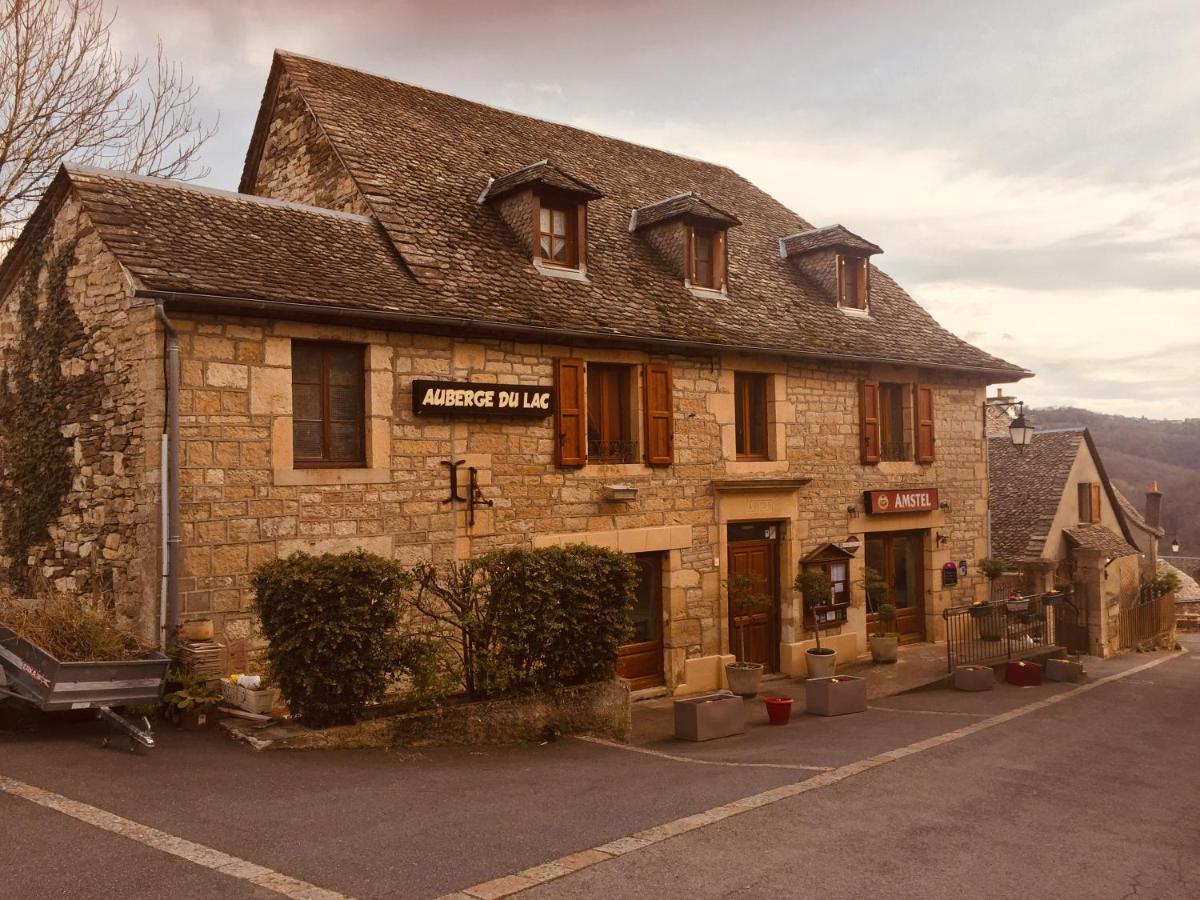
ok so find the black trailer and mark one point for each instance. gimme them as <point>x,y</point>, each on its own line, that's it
<point>30,674</point>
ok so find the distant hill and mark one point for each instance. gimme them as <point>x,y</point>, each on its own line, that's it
<point>1138,451</point>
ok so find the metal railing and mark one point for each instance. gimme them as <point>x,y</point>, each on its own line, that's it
<point>999,630</point>
<point>895,451</point>
<point>1151,618</point>
<point>612,451</point>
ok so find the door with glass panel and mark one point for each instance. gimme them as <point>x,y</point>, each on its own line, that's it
<point>899,559</point>
<point>641,660</point>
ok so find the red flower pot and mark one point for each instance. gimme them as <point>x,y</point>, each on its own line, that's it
<point>779,709</point>
<point>1023,673</point>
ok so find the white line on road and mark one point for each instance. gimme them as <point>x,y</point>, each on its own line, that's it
<point>929,712</point>
<point>697,762</point>
<point>187,850</point>
<point>532,877</point>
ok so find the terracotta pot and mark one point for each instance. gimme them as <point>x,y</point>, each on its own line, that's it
<point>822,664</point>
<point>744,678</point>
<point>779,709</point>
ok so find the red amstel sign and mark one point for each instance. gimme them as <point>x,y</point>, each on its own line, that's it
<point>917,500</point>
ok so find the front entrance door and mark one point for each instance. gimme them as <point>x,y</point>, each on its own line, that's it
<point>641,660</point>
<point>754,594</point>
<point>900,559</point>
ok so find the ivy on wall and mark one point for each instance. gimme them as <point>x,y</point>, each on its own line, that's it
<point>35,459</point>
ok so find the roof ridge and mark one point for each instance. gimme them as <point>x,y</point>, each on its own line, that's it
<point>73,169</point>
<point>1080,430</point>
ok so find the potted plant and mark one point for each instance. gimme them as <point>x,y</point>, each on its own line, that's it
<point>815,586</point>
<point>992,569</point>
<point>745,677</point>
<point>192,704</point>
<point>885,643</point>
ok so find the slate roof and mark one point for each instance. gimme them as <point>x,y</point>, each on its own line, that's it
<point>689,204</point>
<point>174,237</point>
<point>541,172</point>
<point>421,158</point>
<point>1189,591</point>
<point>1026,489</point>
<point>825,238</point>
<point>1099,537</point>
<point>1134,516</point>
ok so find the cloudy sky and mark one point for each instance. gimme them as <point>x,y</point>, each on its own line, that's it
<point>1031,169</point>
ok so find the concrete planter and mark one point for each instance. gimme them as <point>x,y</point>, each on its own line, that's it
<point>974,678</point>
<point>885,648</point>
<point>1023,673</point>
<point>836,696</point>
<point>709,716</point>
<point>820,664</point>
<point>1064,670</point>
<point>744,678</point>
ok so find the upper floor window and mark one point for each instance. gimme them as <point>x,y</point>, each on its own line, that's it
<point>610,414</point>
<point>852,275</point>
<point>896,422</point>
<point>328,405</point>
<point>750,414</point>
<point>596,414</point>
<point>1089,502</point>
<point>558,233</point>
<point>706,258</point>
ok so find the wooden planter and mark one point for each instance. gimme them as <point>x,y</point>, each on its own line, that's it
<point>1064,670</point>
<point>974,678</point>
<point>709,716</point>
<point>1023,673</point>
<point>836,696</point>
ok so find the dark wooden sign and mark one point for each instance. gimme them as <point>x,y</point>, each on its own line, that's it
<point>879,503</point>
<point>458,398</point>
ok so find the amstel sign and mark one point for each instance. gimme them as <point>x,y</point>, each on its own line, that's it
<point>879,503</point>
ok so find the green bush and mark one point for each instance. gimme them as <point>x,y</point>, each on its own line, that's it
<point>331,621</point>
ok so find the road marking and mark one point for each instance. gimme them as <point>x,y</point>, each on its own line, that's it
<point>929,712</point>
<point>697,762</point>
<point>515,883</point>
<point>169,843</point>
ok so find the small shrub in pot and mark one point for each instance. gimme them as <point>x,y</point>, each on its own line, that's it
<point>745,677</point>
<point>816,587</point>
<point>885,643</point>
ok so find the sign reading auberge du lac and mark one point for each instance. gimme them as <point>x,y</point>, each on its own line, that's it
<point>915,500</point>
<point>456,398</point>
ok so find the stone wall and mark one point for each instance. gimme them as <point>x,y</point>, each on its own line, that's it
<point>106,537</point>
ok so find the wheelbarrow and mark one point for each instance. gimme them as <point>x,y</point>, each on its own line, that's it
<point>30,674</point>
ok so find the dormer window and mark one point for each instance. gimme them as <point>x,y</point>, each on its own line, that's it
<point>852,281</point>
<point>559,224</point>
<point>691,225</point>
<point>707,258</point>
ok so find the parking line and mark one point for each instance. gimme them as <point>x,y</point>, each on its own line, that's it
<point>674,757</point>
<point>189,851</point>
<point>515,883</point>
<point>929,712</point>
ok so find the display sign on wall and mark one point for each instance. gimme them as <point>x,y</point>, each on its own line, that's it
<point>456,398</point>
<point>917,500</point>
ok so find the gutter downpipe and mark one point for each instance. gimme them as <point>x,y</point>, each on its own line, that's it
<point>172,541</point>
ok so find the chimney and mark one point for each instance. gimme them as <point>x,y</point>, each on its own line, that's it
<point>1154,505</point>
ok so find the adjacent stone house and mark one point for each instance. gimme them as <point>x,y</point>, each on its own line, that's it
<point>598,341</point>
<point>1057,519</point>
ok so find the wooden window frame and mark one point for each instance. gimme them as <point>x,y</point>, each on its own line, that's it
<point>625,375</point>
<point>575,213</point>
<point>718,263</point>
<point>862,282</point>
<point>742,385</point>
<point>330,462</point>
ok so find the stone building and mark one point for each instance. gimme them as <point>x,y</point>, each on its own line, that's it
<point>601,342</point>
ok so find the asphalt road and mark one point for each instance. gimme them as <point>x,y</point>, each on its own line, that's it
<point>1095,796</point>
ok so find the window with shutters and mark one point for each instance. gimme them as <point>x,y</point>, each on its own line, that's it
<point>853,281</point>
<point>610,414</point>
<point>328,405</point>
<point>1089,502</point>
<point>896,422</point>
<point>750,414</point>
<point>706,258</point>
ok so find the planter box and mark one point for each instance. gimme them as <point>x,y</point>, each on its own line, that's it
<point>260,701</point>
<point>1023,673</point>
<point>709,716</point>
<point>1064,670</point>
<point>836,696</point>
<point>974,678</point>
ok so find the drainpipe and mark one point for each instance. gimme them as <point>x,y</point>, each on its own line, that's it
<point>172,542</point>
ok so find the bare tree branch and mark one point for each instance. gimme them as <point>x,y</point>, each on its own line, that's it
<point>67,96</point>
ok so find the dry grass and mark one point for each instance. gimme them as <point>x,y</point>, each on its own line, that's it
<point>74,628</point>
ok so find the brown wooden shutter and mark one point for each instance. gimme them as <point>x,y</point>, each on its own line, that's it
<point>660,415</point>
<point>868,411</point>
<point>861,285</point>
<point>719,260</point>
<point>1095,510</point>
<point>570,417</point>
<point>923,401</point>
<point>689,252</point>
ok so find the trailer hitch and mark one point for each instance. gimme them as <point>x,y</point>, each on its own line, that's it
<point>143,735</point>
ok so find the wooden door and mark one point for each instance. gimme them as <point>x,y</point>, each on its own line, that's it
<point>754,633</point>
<point>641,660</point>
<point>900,559</point>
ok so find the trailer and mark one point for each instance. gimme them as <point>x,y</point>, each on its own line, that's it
<point>30,674</point>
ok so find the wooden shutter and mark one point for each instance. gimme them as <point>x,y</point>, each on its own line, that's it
<point>868,412</point>
<point>923,402</point>
<point>689,252</point>
<point>570,417</point>
<point>860,283</point>
<point>718,260</point>
<point>1095,510</point>
<point>660,415</point>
